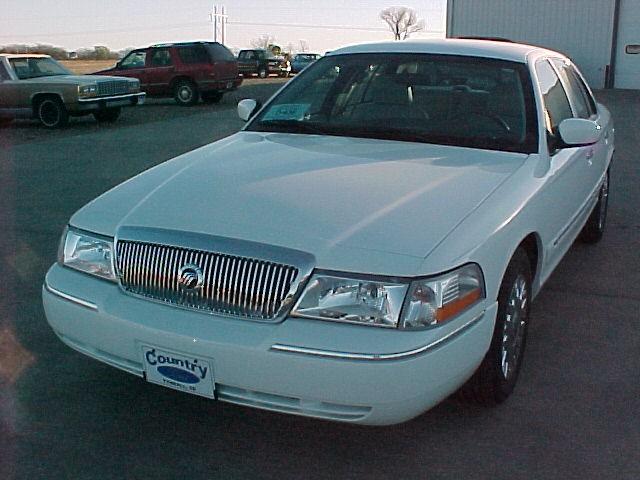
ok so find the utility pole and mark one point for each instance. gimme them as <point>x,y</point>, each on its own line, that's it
<point>219,23</point>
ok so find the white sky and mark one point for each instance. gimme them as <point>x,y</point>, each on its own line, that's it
<point>324,24</point>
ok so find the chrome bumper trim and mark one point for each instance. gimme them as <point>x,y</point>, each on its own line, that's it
<point>114,97</point>
<point>71,298</point>
<point>375,356</point>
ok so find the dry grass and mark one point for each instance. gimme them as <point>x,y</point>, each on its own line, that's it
<point>87,66</point>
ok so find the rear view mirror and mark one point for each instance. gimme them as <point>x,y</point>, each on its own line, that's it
<point>247,108</point>
<point>577,132</point>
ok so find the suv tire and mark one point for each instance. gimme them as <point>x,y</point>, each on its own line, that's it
<point>185,93</point>
<point>52,113</point>
<point>262,73</point>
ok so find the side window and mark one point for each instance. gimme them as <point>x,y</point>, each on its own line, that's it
<point>585,91</point>
<point>160,57</point>
<point>4,75</point>
<point>578,94</point>
<point>193,55</point>
<point>134,60</point>
<point>556,103</point>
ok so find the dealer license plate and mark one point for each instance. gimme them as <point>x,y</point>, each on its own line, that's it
<point>179,371</point>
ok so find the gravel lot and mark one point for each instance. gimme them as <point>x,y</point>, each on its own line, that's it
<point>575,413</point>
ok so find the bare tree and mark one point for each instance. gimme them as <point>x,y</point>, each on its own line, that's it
<point>402,21</point>
<point>263,42</point>
<point>304,46</point>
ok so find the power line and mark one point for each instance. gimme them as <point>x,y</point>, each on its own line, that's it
<point>301,25</point>
<point>115,30</point>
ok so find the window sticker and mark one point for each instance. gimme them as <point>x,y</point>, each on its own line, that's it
<point>287,111</point>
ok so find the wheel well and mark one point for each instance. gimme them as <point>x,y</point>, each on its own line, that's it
<point>531,245</point>
<point>179,79</point>
<point>38,97</point>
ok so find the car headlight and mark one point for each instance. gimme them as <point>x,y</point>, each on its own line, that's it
<point>134,86</point>
<point>89,253</point>
<point>434,301</point>
<point>353,300</point>
<point>403,304</point>
<point>90,90</point>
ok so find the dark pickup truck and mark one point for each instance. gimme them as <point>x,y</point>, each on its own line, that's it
<point>261,63</point>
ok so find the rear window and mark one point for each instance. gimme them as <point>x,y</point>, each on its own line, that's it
<point>220,53</point>
<point>193,54</point>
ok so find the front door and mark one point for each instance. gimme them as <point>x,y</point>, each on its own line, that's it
<point>133,66</point>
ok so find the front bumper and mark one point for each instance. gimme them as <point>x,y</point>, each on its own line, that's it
<point>100,103</point>
<point>319,369</point>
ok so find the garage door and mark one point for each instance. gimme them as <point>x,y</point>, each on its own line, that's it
<point>628,52</point>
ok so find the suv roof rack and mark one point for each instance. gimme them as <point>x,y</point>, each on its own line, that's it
<point>172,44</point>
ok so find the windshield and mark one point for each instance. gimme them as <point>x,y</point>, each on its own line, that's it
<point>37,67</point>
<point>445,99</point>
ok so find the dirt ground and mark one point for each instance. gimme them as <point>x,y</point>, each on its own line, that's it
<point>87,66</point>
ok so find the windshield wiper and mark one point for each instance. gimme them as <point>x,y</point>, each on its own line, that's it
<point>289,126</point>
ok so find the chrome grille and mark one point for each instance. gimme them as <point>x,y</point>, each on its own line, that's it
<point>113,87</point>
<point>231,285</point>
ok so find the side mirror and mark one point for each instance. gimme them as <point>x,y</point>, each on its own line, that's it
<point>578,132</point>
<point>247,108</point>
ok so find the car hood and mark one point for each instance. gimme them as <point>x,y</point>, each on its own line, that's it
<point>329,196</point>
<point>74,79</point>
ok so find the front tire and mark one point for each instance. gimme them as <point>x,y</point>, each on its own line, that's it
<point>108,115</point>
<point>262,73</point>
<point>185,93</point>
<point>497,375</point>
<point>594,228</point>
<point>52,113</point>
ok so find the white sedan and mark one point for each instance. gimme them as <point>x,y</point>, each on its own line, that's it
<point>367,245</point>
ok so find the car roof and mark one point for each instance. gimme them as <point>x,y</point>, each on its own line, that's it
<point>24,55</point>
<point>498,49</point>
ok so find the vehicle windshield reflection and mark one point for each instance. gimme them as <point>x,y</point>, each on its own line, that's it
<point>444,99</point>
<point>37,67</point>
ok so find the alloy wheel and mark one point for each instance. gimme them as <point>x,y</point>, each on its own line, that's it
<point>514,327</point>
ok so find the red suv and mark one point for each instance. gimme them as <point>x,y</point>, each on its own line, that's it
<point>186,71</point>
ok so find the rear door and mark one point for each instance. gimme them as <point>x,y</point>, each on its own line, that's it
<point>159,71</point>
<point>195,63</point>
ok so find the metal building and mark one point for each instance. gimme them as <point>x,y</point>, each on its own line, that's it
<point>601,36</point>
